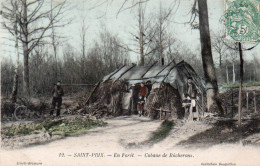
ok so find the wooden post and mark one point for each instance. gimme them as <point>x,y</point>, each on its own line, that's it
<point>246,101</point>
<point>241,84</point>
<point>160,114</point>
<point>202,101</point>
<point>255,101</point>
<point>232,100</point>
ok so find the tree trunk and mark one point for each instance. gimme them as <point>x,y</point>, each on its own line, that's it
<point>15,83</point>
<point>141,28</point>
<point>227,74</point>
<point>234,72</point>
<point>15,87</point>
<point>26,70</point>
<point>160,35</point>
<point>54,46</point>
<point>141,49</point>
<point>161,50</point>
<point>241,84</point>
<point>207,59</point>
<point>25,52</point>
<point>220,60</point>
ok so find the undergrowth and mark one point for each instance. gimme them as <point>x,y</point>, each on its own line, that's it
<point>61,127</point>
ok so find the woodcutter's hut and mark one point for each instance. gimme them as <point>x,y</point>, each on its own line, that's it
<point>115,92</point>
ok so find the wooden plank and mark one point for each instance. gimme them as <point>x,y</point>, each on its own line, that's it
<point>94,89</point>
<point>247,101</point>
<point>168,73</point>
<point>164,68</point>
<point>125,72</point>
<point>146,78</point>
<point>115,72</point>
<point>161,110</point>
<point>149,69</point>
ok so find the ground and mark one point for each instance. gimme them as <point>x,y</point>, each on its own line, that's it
<point>121,133</point>
<point>141,136</point>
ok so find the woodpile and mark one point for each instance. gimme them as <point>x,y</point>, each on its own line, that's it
<point>105,101</point>
<point>166,99</point>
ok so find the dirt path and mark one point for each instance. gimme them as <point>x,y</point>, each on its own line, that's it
<point>114,134</point>
<point>122,131</point>
<point>109,140</point>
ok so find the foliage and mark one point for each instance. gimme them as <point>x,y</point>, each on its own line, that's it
<point>62,127</point>
<point>247,84</point>
<point>104,57</point>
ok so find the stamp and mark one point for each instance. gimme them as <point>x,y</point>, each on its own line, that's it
<point>242,20</point>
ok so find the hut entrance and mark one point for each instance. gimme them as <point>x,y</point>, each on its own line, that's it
<point>139,95</point>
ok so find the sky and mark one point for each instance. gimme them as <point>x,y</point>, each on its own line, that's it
<point>104,14</point>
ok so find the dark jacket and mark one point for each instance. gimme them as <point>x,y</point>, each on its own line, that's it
<point>149,87</point>
<point>57,92</point>
<point>190,90</point>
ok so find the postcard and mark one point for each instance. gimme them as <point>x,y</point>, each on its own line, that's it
<point>130,82</point>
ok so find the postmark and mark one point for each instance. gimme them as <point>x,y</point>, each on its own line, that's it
<point>242,20</point>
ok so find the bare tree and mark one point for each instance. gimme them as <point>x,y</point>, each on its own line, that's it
<point>161,28</point>
<point>207,59</point>
<point>141,32</point>
<point>15,83</point>
<point>226,68</point>
<point>54,42</point>
<point>83,38</point>
<point>256,67</point>
<point>110,51</point>
<point>34,23</point>
<point>220,49</point>
<point>83,35</point>
<point>143,36</point>
<point>233,54</point>
<point>219,46</point>
<point>172,53</point>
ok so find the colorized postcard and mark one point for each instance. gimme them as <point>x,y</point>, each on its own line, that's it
<point>130,82</point>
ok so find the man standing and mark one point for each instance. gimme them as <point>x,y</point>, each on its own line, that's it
<point>190,93</point>
<point>190,89</point>
<point>57,94</point>
<point>143,91</point>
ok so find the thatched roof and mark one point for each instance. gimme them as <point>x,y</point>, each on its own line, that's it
<point>175,74</point>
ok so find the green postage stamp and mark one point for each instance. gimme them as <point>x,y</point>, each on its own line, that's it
<point>242,20</point>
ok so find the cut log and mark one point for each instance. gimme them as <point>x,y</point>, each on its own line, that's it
<point>94,89</point>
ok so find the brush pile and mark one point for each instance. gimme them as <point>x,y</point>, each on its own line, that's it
<point>167,99</point>
<point>32,109</point>
<point>105,101</point>
<point>233,94</point>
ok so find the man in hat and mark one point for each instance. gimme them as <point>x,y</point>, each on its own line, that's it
<point>149,87</point>
<point>190,89</point>
<point>57,94</point>
<point>190,93</point>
